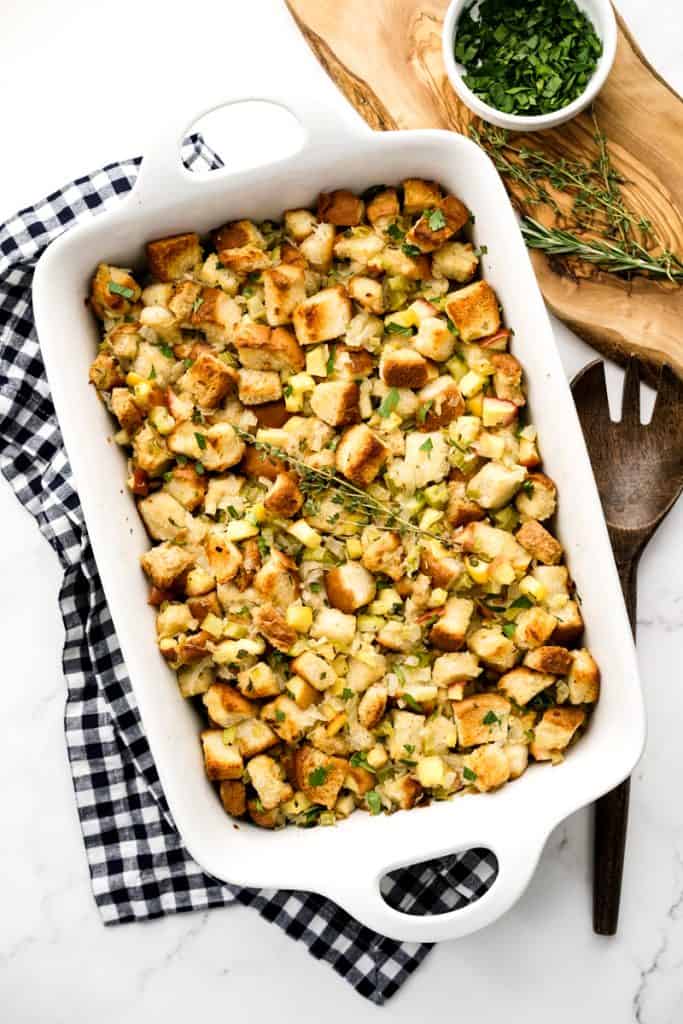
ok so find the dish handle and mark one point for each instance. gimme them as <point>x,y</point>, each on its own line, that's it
<point>517,852</point>
<point>327,119</point>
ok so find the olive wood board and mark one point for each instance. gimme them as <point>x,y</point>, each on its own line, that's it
<point>393,74</point>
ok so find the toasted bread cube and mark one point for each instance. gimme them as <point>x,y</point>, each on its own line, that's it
<point>226,706</point>
<point>349,587</point>
<point>253,736</point>
<point>208,381</point>
<point>285,288</point>
<point>538,499</point>
<point>238,233</point>
<point>112,291</point>
<point>507,379</point>
<point>126,411</point>
<point>362,247</point>
<point>105,373</point>
<point>186,485</point>
<point>170,258</point>
<point>556,660</point>
<point>216,315</point>
<point>372,705</point>
<point>340,208</point>
<point>419,195</point>
<point>383,208</point>
<point>165,563</point>
<point>427,236</point>
<point>461,509</point>
<point>266,778</point>
<point>553,578</point>
<point>455,260</point>
<point>286,718</point>
<point>336,626</point>
<point>259,348</point>
<point>569,626</point>
<point>234,798</point>
<point>534,628</point>
<point>367,292</point>
<point>448,634</point>
<point>324,316</point>
<point>399,636</point>
<point>451,668</point>
<point>221,760</point>
<point>265,819</point>
<point>443,569</point>
<point>403,368</point>
<point>299,224</point>
<point>284,497</point>
<point>443,402</point>
<point>395,262</point>
<point>185,294</point>
<point>540,544</point>
<point>555,731</point>
<point>434,340</point>
<point>336,402</point>
<point>474,310</point>
<point>271,622</point>
<point>174,618</point>
<point>315,670</point>
<point>318,776</point>
<point>258,681</point>
<point>584,678</point>
<point>404,792</point>
<point>495,484</point>
<point>352,364</point>
<point>486,767</point>
<point>124,340</point>
<point>360,455</point>
<point>223,556</point>
<point>385,555</point>
<point>196,678</point>
<point>301,692</point>
<point>407,733</point>
<point>481,719</point>
<point>522,684</point>
<point>517,755</point>
<point>224,449</point>
<point>164,517</point>
<point>318,248</point>
<point>490,542</point>
<point>492,647</point>
<point>277,580</point>
<point>361,673</point>
<point>259,386</point>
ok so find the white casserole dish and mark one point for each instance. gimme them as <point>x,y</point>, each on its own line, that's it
<point>344,863</point>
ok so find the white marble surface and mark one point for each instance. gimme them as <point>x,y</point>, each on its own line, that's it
<point>69,77</point>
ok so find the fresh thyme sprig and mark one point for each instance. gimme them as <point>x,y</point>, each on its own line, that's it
<point>593,223</point>
<point>316,482</point>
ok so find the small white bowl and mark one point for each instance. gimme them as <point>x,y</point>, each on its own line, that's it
<point>600,13</point>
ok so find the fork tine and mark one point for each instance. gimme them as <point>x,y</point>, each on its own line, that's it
<point>630,399</point>
<point>669,395</point>
<point>589,389</point>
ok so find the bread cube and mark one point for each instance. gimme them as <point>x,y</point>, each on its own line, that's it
<point>456,261</point>
<point>324,316</point>
<point>265,775</point>
<point>489,767</point>
<point>372,705</point>
<point>534,628</point>
<point>454,667</point>
<point>253,736</point>
<point>361,673</point>
<point>124,408</point>
<point>208,381</point>
<point>461,509</point>
<point>318,776</point>
<point>507,379</point>
<point>555,731</point>
<point>385,555</point>
<point>569,626</point>
<point>105,373</point>
<point>522,684</point>
<point>493,648</point>
<point>349,587</point>
<point>164,517</point>
<point>169,258</point>
<point>314,670</point>
<point>443,569</point>
<point>538,498</point>
<point>556,660</point>
<point>258,386</point>
<point>217,315</point>
<point>448,634</point>
<point>334,625</point>
<point>383,208</point>
<point>442,401</point>
<point>419,194</point>
<point>474,310</point>
<point>517,755</point>
<point>278,580</point>
<point>234,798</point>
<point>495,484</point>
<point>352,364</point>
<point>404,792</point>
<point>272,623</point>
<point>336,402</point>
<point>299,224</point>
<point>221,760</point>
<point>318,248</point>
<point>540,544</point>
<point>287,719</point>
<point>367,292</point>
<point>284,497</point>
<point>403,368</point>
<point>426,235</point>
<point>284,288</point>
<point>481,719</point>
<point>407,734</point>
<point>341,208</point>
<point>226,706</point>
<point>399,636</point>
<point>434,340</point>
<point>165,563</point>
<point>584,678</point>
<point>360,455</point>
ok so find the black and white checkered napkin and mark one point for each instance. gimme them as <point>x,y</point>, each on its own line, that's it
<point>138,866</point>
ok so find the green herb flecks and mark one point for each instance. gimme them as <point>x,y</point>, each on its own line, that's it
<point>435,219</point>
<point>120,289</point>
<point>530,57</point>
<point>393,328</point>
<point>201,440</point>
<point>468,774</point>
<point>374,801</point>
<point>389,403</point>
<point>317,776</point>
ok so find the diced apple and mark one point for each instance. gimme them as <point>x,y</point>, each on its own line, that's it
<point>498,412</point>
<point>497,342</point>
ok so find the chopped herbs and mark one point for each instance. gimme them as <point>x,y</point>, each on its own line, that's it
<point>197,303</point>
<point>317,776</point>
<point>411,702</point>
<point>389,403</point>
<point>201,440</point>
<point>167,350</point>
<point>423,411</point>
<point>435,219</point>
<point>199,468</point>
<point>120,289</point>
<point>359,759</point>
<point>187,363</point>
<point>531,57</point>
<point>509,629</point>
<point>452,328</point>
<point>152,374</point>
<point>329,367</point>
<point>395,233</point>
<point>468,774</point>
<point>394,328</point>
<point>279,715</point>
<point>315,588</point>
<point>427,445</point>
<point>491,718</point>
<point>411,250</point>
<point>347,694</point>
<point>528,487</point>
<point>374,801</point>
<point>522,602</point>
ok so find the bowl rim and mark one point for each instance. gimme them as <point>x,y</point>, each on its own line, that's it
<point>522,122</point>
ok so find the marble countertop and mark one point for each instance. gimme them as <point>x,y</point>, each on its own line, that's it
<point>58,964</point>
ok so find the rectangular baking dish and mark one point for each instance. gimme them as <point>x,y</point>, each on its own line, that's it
<point>344,863</point>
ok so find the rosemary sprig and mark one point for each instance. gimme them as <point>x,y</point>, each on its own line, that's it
<point>316,482</point>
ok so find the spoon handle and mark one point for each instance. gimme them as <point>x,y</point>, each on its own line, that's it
<point>611,810</point>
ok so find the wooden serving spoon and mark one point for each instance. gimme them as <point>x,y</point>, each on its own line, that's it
<point>639,472</point>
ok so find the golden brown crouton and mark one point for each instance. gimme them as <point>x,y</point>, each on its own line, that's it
<point>208,381</point>
<point>569,626</point>
<point>443,569</point>
<point>259,348</point>
<point>320,777</point>
<point>404,792</point>
<point>489,766</point>
<point>170,258</point>
<point>265,775</point>
<point>434,340</point>
<point>419,194</point>
<point>494,649</point>
<point>112,291</point>
<point>481,719</point>
<point>203,605</point>
<point>278,579</point>
<point>284,497</point>
<point>385,555</point>
<point>258,386</point>
<point>226,706</point>
<point>540,544</point>
<point>287,719</point>
<point>223,556</point>
<point>253,736</point>
<point>367,292</point>
<point>349,587</point>
<point>461,509</point>
<point>324,316</point>
<point>474,310</point>
<point>336,402</point>
<point>534,627</point>
<point>237,234</point>
<point>318,248</point>
<point>359,780</point>
<point>448,634</point>
<point>285,288</point>
<point>301,692</point>
<point>164,517</point>
<point>360,455</point>
<point>455,260</point>
<point>555,731</point>
<point>437,224</point>
<point>299,224</point>
<point>124,408</point>
<point>314,670</point>
<point>271,622</point>
<point>263,818</point>
<point>105,372</point>
<point>507,379</point>
<point>352,364</point>
<point>165,563</point>
<point>403,368</point>
<point>584,678</point>
<point>538,498</point>
<point>221,760</point>
<point>124,340</point>
<point>233,796</point>
<point>556,660</point>
<point>258,681</point>
<point>256,464</point>
<point>383,207</point>
<point>340,208</point>
<point>246,259</point>
<point>217,315</point>
<point>372,705</point>
<point>181,303</point>
<point>186,485</point>
<point>522,684</point>
<point>442,401</point>
<point>455,667</point>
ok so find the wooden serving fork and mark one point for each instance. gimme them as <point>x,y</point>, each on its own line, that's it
<point>639,472</point>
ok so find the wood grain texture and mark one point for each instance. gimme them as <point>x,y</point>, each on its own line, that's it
<point>385,56</point>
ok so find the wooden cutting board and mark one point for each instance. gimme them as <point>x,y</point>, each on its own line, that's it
<point>385,56</point>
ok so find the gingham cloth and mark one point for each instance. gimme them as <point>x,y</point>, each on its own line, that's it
<point>138,866</point>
